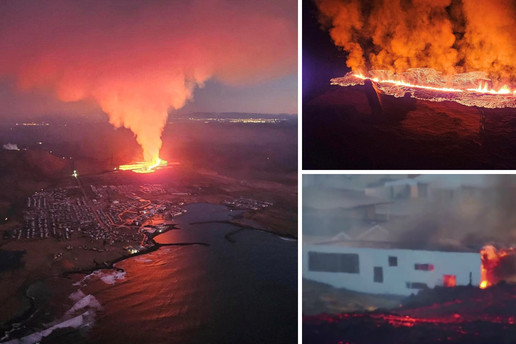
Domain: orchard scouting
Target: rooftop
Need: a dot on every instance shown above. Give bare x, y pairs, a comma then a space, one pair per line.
413, 246
329, 199
453, 181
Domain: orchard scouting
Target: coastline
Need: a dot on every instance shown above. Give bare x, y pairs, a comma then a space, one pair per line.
155, 246
120, 255
27, 314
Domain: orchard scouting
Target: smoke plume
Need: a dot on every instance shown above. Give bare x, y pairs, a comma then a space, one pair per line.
11, 146
450, 36
140, 59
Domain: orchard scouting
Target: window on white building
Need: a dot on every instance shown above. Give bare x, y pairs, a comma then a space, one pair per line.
378, 274
424, 267
333, 262
393, 261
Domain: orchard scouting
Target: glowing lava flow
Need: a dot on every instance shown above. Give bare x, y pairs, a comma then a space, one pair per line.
402, 83
469, 89
504, 90
144, 167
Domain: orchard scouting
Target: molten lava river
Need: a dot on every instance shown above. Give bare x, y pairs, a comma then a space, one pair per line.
144, 167
462, 314
470, 89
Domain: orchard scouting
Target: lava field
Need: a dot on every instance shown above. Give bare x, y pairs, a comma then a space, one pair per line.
466, 315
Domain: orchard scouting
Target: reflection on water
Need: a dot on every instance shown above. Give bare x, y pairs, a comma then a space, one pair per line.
242, 292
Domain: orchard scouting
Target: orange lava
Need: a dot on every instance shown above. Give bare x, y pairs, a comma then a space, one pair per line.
484, 90
490, 261
144, 167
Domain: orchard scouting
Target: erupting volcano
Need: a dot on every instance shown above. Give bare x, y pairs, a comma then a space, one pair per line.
403, 43
139, 61
143, 167
470, 89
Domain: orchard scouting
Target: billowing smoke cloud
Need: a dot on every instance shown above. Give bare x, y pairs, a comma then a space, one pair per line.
479, 215
449, 36
488, 43
11, 146
140, 59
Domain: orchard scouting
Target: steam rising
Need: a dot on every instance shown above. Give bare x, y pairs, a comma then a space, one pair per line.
138, 61
448, 36
11, 146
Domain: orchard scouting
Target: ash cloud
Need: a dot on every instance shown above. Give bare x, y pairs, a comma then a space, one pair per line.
139, 59
450, 36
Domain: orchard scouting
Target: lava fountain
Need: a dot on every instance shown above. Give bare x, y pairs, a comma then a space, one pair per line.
470, 89
144, 167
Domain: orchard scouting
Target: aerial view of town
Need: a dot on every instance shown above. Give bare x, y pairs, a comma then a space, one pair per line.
77, 225
74, 217
107, 215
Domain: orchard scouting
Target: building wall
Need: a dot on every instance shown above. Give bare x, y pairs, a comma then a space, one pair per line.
395, 278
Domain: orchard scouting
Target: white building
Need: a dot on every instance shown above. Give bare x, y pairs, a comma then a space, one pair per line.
382, 269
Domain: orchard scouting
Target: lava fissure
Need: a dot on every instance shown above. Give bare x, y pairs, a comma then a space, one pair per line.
470, 89
144, 167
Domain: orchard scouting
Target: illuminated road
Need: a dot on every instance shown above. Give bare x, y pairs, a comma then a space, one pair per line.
125, 222
128, 220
